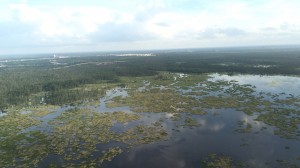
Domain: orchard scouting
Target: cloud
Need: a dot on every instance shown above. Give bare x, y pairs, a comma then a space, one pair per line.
125, 32
230, 32
155, 23
23, 34
165, 24
76, 21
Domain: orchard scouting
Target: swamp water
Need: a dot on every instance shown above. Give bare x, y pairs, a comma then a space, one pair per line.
173, 120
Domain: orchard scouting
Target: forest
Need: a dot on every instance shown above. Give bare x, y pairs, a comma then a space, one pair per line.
52, 80
119, 109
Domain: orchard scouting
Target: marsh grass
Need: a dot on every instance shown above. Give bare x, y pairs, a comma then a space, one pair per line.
156, 101
206, 94
76, 134
11, 127
218, 161
286, 121
244, 127
74, 137
191, 122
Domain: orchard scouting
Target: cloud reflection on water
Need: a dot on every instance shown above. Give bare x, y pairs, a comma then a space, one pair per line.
274, 84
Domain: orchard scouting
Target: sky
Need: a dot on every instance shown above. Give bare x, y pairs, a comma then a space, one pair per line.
53, 26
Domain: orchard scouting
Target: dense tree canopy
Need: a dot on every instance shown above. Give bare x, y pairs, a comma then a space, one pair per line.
19, 80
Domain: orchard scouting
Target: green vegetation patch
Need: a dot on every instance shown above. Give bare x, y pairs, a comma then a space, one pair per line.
218, 161
190, 80
73, 137
18, 146
175, 93
244, 127
157, 100
191, 122
286, 121
15, 123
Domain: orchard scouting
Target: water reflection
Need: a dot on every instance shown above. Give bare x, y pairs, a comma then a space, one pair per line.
148, 156
275, 84
2, 114
110, 94
186, 146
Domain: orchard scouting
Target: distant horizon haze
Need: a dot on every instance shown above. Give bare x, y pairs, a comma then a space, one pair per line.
254, 48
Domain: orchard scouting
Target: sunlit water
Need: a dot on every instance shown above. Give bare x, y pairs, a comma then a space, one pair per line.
217, 134
186, 146
273, 84
2, 114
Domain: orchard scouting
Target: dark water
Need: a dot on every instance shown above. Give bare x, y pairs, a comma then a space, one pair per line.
217, 135
186, 147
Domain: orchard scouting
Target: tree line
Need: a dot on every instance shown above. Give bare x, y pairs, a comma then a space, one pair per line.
19, 80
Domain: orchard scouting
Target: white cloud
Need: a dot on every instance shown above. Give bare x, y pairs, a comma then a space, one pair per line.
157, 23
25, 13
76, 21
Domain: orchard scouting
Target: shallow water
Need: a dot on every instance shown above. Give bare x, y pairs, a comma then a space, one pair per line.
110, 94
216, 135
273, 84
220, 132
2, 114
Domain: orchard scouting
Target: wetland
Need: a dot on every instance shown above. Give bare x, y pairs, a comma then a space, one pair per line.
139, 113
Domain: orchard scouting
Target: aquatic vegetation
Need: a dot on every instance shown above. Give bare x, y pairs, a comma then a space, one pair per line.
115, 102
190, 80
11, 127
73, 138
190, 122
163, 79
221, 102
30, 146
173, 93
286, 122
196, 93
176, 116
133, 84
82, 129
244, 127
198, 111
285, 163
156, 101
81, 137
12, 124
40, 111
292, 101
218, 161
110, 154
31, 149
144, 135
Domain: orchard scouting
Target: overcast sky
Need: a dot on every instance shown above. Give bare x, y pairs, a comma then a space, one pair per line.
52, 26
